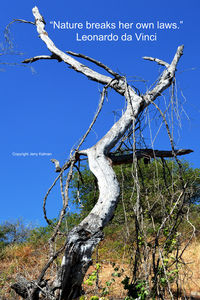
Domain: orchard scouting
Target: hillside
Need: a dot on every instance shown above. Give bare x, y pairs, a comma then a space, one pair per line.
111, 264
151, 245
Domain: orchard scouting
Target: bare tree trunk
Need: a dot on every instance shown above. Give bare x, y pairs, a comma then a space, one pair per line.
86, 236
82, 240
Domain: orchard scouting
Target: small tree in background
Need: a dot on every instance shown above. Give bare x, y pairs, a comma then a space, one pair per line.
14, 232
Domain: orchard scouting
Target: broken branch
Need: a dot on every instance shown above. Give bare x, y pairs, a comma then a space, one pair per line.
146, 153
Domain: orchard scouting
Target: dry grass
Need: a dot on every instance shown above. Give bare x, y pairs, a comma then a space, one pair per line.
191, 272
28, 260
25, 260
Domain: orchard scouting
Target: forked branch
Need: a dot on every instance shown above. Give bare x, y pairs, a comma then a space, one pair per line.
82, 239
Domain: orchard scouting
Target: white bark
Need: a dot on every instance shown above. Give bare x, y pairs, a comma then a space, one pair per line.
83, 238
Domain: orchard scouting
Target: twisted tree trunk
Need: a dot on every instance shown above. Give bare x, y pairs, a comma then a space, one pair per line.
83, 238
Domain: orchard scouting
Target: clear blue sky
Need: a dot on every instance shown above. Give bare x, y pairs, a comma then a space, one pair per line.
49, 110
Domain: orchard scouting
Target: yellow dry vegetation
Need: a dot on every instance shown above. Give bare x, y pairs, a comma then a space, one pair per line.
27, 260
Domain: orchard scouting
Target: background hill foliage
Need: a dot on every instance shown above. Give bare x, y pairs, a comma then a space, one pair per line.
143, 256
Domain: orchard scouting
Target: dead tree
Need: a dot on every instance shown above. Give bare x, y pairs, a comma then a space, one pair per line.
82, 239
